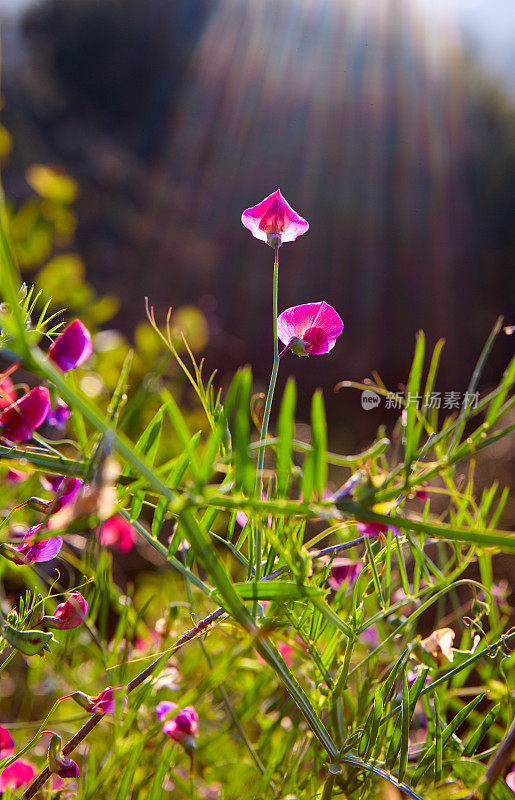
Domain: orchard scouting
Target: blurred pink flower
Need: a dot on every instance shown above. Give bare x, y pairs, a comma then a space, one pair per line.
6, 743
7, 392
18, 421
72, 347
183, 727
309, 329
510, 778
20, 773
164, 709
34, 551
343, 570
69, 488
274, 217
287, 652
69, 614
14, 476
119, 533
59, 415
370, 529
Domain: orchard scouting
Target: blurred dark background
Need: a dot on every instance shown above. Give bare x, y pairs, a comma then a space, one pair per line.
389, 125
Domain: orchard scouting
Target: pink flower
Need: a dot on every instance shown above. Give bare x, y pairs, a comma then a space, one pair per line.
183, 727
343, 570
287, 652
18, 421
164, 709
274, 217
510, 778
33, 551
7, 392
72, 347
309, 329
6, 743
69, 488
118, 532
14, 476
20, 773
103, 703
69, 614
370, 529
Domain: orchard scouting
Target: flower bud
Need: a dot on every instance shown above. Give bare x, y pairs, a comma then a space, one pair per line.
68, 615
58, 763
72, 347
30, 643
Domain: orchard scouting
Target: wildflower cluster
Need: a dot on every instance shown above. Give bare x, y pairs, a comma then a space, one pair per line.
322, 621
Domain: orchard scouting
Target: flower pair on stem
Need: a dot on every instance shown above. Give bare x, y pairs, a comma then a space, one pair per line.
308, 329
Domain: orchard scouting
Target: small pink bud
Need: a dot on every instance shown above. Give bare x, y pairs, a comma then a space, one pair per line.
274, 221
69, 614
19, 420
72, 347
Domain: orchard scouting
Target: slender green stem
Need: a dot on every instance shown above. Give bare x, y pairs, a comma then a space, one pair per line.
329, 786
266, 414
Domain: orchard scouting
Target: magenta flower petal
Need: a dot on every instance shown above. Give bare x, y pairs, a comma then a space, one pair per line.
510, 779
164, 709
103, 703
69, 614
33, 551
72, 347
25, 415
370, 529
71, 489
183, 727
6, 743
274, 216
118, 533
7, 392
343, 570
59, 415
317, 325
18, 774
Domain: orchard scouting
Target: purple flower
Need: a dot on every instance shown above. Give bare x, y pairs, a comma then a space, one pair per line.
343, 570
59, 415
164, 709
183, 727
274, 217
72, 347
14, 476
69, 614
309, 329
412, 676
6, 743
33, 551
18, 421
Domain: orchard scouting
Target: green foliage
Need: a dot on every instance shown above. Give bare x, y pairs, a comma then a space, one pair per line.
289, 673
